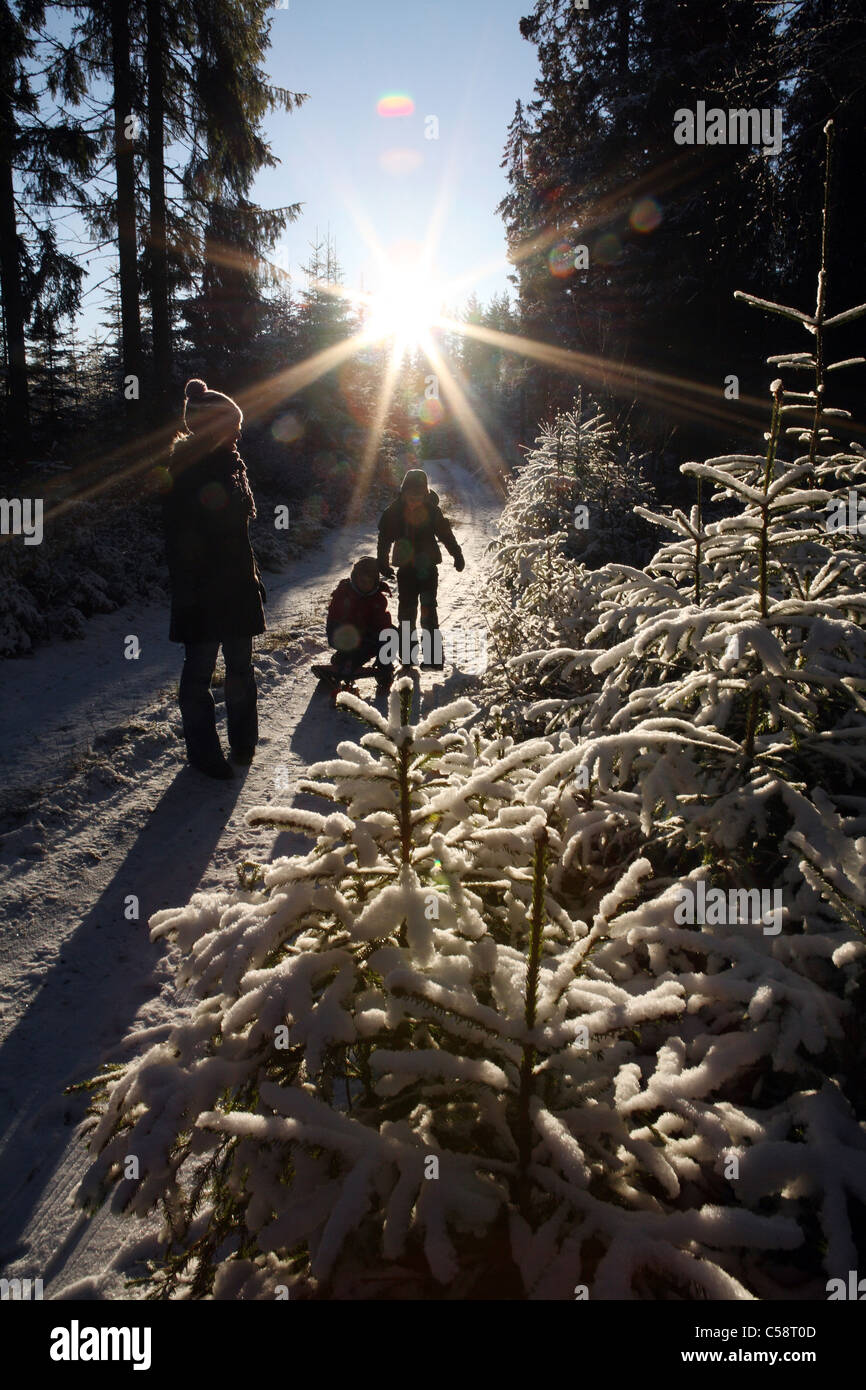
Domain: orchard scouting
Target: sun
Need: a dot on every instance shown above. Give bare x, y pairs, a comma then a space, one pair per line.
405, 309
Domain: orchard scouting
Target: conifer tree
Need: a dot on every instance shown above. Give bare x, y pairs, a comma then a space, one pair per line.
194, 83
464, 1033
157, 275
821, 47
662, 225
48, 162
231, 95
124, 103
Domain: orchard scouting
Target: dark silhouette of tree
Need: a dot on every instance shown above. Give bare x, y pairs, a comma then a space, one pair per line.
39, 164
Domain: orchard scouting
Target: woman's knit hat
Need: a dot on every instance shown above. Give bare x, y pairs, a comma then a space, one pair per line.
203, 408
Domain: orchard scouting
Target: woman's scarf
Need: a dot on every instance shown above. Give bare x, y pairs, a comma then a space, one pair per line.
224, 464
237, 472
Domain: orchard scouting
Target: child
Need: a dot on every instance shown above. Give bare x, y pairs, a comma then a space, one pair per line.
412, 525
357, 614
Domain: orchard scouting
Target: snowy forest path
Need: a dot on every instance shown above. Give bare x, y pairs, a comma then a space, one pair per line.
75, 691
131, 830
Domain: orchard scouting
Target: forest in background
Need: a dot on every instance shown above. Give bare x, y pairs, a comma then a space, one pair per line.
649, 328
147, 123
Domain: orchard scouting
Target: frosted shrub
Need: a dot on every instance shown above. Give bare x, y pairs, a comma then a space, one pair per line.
420, 964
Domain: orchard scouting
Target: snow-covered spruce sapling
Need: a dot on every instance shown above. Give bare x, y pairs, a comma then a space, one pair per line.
813, 403
752, 627
288, 956
727, 721
346, 1038
571, 496
755, 689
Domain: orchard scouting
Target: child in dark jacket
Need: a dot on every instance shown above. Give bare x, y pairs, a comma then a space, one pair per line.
412, 526
357, 614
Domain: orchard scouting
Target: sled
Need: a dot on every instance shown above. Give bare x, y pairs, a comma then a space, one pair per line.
329, 676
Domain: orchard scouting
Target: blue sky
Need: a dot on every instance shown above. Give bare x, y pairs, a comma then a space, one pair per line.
462, 61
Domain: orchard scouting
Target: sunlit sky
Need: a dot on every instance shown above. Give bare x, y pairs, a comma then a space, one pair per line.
462, 61
361, 175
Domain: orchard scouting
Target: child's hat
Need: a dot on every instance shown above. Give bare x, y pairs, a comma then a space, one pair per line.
415, 481
366, 568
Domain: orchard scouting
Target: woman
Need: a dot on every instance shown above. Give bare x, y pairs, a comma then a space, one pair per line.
216, 589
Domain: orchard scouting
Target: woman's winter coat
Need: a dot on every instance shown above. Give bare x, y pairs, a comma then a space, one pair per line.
216, 588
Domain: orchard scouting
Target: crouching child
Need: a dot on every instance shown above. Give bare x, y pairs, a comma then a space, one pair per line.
357, 615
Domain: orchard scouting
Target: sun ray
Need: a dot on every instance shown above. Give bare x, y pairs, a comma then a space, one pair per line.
612, 206
374, 438
130, 461
681, 397
489, 456
689, 399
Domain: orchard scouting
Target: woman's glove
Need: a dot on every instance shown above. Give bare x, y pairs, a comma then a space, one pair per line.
386, 571
459, 562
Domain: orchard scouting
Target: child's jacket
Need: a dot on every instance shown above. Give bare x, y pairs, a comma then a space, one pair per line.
415, 542
367, 613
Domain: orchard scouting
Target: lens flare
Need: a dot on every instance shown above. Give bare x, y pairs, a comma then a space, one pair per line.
213, 496
287, 428
561, 260
396, 104
645, 215
347, 638
431, 412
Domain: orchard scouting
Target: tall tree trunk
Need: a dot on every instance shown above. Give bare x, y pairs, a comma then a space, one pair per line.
124, 160
159, 307
623, 21
13, 297
50, 341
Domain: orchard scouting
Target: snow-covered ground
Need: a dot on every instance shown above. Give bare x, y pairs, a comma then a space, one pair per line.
91, 748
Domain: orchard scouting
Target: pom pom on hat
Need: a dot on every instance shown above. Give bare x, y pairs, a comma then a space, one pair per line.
195, 389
